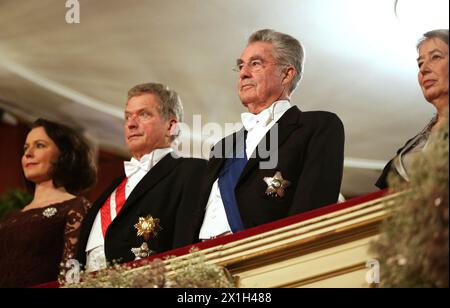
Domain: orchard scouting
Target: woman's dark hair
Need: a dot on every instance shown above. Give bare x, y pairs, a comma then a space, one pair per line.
74, 169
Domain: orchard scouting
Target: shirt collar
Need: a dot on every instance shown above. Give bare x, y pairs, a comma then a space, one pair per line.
146, 162
267, 116
155, 156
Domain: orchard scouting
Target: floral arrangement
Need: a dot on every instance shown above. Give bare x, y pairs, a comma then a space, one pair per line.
413, 248
191, 271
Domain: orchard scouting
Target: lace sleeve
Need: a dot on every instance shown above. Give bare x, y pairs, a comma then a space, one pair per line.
72, 228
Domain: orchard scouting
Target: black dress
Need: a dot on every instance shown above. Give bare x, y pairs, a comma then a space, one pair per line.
35, 242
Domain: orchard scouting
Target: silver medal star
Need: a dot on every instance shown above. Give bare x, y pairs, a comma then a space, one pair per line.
276, 185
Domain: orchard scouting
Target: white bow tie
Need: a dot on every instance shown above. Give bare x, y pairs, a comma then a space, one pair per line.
250, 120
134, 165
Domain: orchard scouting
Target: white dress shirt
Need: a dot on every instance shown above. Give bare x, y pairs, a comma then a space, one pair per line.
215, 221
135, 171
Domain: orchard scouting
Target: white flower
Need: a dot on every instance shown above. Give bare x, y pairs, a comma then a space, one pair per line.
402, 261
438, 202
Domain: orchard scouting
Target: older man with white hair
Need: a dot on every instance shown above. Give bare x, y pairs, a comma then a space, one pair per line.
284, 161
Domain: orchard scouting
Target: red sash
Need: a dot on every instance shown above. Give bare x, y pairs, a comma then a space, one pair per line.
105, 211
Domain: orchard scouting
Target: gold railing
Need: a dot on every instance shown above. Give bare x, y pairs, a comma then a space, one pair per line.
328, 247
328, 250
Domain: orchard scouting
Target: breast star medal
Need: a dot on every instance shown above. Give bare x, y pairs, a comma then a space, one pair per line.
141, 252
276, 185
146, 227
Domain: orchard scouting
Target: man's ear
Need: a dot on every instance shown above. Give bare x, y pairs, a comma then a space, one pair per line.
288, 76
174, 128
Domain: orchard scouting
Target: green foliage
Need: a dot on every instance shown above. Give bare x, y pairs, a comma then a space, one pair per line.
413, 248
13, 199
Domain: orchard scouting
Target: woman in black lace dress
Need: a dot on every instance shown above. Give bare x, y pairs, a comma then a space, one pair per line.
57, 164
